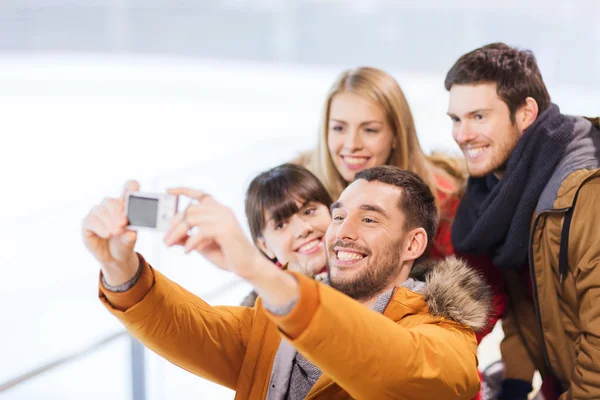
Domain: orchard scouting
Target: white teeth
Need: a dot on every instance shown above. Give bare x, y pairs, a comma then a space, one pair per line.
310, 245
355, 160
474, 152
346, 256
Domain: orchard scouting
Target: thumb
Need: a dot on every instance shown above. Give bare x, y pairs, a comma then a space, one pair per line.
130, 186
128, 238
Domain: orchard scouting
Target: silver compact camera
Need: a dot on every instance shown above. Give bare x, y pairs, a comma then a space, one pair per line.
152, 211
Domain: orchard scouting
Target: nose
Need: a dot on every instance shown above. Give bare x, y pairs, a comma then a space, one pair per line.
463, 133
353, 140
300, 227
347, 230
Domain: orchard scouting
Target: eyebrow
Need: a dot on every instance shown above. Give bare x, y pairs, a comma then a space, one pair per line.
307, 202
335, 205
478, 111
374, 208
362, 123
366, 207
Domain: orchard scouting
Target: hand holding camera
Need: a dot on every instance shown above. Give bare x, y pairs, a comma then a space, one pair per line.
212, 230
206, 226
106, 237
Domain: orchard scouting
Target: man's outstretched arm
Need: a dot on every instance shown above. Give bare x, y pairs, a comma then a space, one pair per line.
371, 356
179, 326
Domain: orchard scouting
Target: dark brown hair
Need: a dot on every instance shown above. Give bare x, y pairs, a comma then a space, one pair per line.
276, 191
416, 202
514, 71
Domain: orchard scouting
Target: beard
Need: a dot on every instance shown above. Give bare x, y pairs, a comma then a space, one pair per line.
499, 160
369, 281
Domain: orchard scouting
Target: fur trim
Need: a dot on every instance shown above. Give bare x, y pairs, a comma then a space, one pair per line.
457, 292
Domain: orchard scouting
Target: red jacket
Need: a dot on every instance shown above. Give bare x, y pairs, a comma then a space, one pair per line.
442, 247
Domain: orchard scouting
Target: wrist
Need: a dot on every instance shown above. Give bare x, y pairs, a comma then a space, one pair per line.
276, 287
256, 268
119, 273
266, 272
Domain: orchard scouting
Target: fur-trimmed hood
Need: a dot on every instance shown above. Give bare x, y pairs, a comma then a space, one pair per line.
457, 292
453, 290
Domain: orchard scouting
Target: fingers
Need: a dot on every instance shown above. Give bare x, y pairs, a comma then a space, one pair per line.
180, 242
128, 238
130, 186
114, 210
211, 222
178, 231
92, 225
202, 216
197, 242
182, 223
106, 219
193, 193
180, 226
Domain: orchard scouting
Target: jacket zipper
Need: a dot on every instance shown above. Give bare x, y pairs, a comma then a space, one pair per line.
535, 289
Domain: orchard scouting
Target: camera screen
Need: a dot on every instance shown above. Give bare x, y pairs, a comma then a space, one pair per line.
142, 211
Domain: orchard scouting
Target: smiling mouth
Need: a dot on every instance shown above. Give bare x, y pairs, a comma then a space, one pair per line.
474, 152
310, 247
344, 257
354, 162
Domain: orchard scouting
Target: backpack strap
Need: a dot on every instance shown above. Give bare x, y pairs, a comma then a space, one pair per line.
563, 255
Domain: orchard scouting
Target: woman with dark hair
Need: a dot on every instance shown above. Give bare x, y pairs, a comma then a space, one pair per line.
287, 209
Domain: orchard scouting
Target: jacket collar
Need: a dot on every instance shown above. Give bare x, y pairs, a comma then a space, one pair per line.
581, 160
453, 291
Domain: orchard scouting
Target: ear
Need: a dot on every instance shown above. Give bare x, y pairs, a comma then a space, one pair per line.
526, 114
262, 245
416, 244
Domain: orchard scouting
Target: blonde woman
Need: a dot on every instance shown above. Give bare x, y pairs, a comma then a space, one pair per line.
366, 123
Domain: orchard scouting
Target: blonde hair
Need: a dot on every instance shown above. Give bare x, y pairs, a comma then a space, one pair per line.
381, 88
